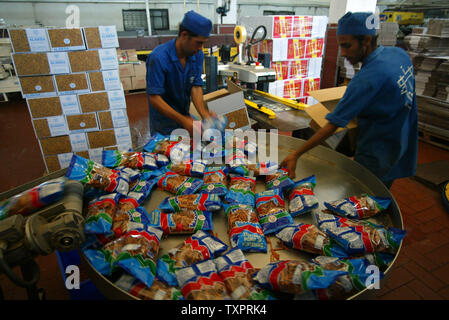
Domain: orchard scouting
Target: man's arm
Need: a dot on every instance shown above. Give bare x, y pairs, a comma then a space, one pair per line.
290, 161
164, 108
196, 95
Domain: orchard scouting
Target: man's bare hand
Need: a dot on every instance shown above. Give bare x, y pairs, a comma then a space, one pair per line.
290, 163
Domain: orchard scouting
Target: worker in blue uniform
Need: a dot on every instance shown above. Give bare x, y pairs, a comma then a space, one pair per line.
381, 96
174, 77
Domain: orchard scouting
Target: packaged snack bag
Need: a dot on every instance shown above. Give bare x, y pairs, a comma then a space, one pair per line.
203, 202
244, 229
100, 214
132, 160
201, 281
133, 174
198, 247
185, 221
259, 169
179, 185
296, 277
236, 272
241, 190
270, 206
158, 290
175, 150
141, 190
94, 174
358, 207
302, 199
189, 168
215, 182
33, 199
279, 180
125, 221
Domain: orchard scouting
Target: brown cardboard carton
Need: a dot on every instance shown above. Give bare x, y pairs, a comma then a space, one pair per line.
126, 70
72, 83
63, 39
86, 121
39, 86
105, 120
99, 139
44, 107
126, 83
19, 40
328, 100
92, 102
86, 60
29, 40
92, 37
56, 145
96, 81
52, 163
140, 69
31, 64
41, 128
138, 82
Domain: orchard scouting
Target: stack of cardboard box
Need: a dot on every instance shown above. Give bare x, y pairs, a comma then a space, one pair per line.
70, 79
132, 71
296, 45
388, 33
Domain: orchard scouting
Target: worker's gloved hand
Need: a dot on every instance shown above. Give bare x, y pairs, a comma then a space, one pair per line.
290, 163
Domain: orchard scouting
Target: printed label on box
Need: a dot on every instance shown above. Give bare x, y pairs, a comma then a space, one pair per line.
117, 99
57, 126
281, 69
302, 26
311, 84
69, 104
108, 59
64, 159
59, 62
296, 48
299, 69
111, 79
108, 36
119, 118
96, 155
314, 67
78, 142
38, 40
123, 137
314, 48
282, 26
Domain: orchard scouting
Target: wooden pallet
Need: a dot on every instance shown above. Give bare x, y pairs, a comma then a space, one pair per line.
434, 139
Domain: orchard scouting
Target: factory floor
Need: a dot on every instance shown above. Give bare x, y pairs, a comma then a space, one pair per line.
421, 271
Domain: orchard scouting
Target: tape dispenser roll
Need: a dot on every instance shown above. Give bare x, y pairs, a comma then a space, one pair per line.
239, 34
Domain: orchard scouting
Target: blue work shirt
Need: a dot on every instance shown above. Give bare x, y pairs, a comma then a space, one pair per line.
168, 78
382, 97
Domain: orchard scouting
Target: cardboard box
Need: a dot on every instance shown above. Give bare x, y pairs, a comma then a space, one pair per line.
96, 81
129, 55
116, 99
31, 64
123, 138
126, 83
229, 102
78, 142
59, 62
140, 69
74, 83
56, 145
37, 87
138, 82
87, 60
91, 102
113, 119
108, 59
29, 40
66, 39
70, 104
44, 107
82, 122
327, 101
104, 138
50, 127
111, 80
60, 161
101, 37
126, 70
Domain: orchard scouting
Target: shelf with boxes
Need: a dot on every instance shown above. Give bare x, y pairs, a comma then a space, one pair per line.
132, 70
70, 80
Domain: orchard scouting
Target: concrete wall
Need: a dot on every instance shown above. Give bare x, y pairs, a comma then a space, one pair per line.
53, 13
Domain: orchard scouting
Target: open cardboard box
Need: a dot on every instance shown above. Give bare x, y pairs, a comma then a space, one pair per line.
229, 102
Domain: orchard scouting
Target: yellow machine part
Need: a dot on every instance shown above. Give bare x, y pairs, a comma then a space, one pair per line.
270, 113
402, 18
287, 102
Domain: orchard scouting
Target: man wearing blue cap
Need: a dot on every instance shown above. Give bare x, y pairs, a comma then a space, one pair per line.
174, 77
382, 97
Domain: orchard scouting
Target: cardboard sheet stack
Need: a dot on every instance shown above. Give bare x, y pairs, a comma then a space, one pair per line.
70, 80
388, 33
296, 45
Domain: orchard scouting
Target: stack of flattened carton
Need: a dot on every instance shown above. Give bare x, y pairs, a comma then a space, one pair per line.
70, 80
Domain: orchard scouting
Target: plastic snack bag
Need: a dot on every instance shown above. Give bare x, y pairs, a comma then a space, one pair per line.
94, 174
133, 160
236, 272
201, 281
203, 202
358, 207
302, 199
198, 247
279, 180
179, 185
158, 290
190, 168
133, 174
241, 190
270, 206
33, 199
100, 214
296, 277
185, 221
125, 221
259, 169
245, 232
215, 182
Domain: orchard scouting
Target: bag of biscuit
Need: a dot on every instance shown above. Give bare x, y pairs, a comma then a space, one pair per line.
100, 214
188, 168
241, 190
198, 247
279, 179
200, 201
358, 207
158, 290
302, 199
215, 181
270, 206
178, 184
182, 222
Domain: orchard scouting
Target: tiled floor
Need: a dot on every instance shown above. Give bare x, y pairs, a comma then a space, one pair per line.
421, 271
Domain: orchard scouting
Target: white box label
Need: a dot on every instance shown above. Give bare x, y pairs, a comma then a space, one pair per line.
111, 79
108, 59
108, 36
38, 40
96, 155
59, 62
65, 159
116, 99
78, 141
58, 126
70, 104
123, 137
119, 118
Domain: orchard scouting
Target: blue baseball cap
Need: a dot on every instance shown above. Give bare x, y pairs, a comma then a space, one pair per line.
357, 23
197, 24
